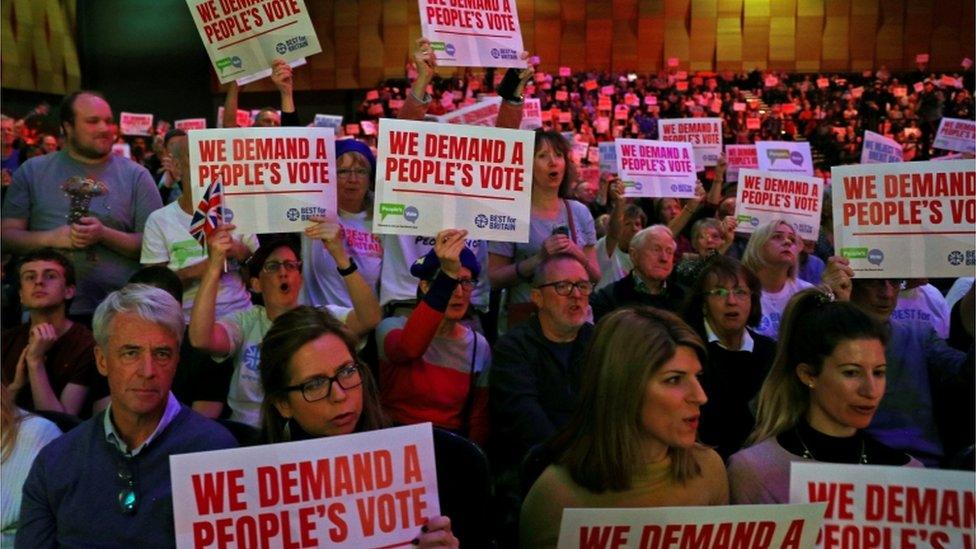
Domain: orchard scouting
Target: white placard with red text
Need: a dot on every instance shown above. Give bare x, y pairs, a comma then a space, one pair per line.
906, 220
482, 113
274, 179
880, 149
132, 123
785, 156
753, 526
122, 149
761, 197
373, 489
462, 36
267, 72
433, 176
956, 135
656, 168
738, 157
874, 506
242, 38
531, 114
704, 134
188, 124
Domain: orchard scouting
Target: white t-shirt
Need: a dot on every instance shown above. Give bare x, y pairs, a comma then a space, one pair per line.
612, 267
166, 239
246, 329
773, 305
401, 251
924, 303
323, 285
958, 290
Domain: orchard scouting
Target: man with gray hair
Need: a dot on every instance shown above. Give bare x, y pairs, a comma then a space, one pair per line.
652, 252
107, 481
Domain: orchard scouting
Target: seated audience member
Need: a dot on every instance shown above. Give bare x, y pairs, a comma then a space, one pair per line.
923, 301
637, 447
314, 387
921, 365
167, 241
723, 307
24, 434
652, 252
824, 387
49, 363
275, 272
613, 250
324, 281
772, 255
200, 382
107, 481
432, 367
709, 236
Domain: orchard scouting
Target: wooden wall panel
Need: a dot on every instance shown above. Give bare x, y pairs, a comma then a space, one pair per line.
572, 51
676, 39
650, 35
947, 48
548, 31
755, 34
809, 34
918, 31
37, 45
836, 35
704, 19
624, 43
599, 23
782, 35
396, 32
888, 49
864, 28
728, 36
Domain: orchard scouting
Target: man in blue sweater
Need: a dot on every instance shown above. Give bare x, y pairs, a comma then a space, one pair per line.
106, 483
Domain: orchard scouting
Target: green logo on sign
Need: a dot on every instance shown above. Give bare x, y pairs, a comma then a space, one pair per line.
854, 253
388, 208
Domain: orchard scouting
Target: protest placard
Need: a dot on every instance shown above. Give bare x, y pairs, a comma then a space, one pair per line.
899, 91
752, 123
631, 99
874, 506
131, 123
333, 121
621, 112
922, 58
482, 113
188, 124
704, 134
242, 38
650, 100
602, 124
738, 157
565, 71
438, 176
604, 103
785, 156
122, 149
593, 156
771, 81
274, 179
531, 114
608, 156
656, 168
738, 107
243, 118
463, 35
672, 62
906, 220
590, 85
823, 83
267, 72
565, 117
562, 95
372, 489
681, 75
681, 85
956, 135
591, 176
579, 150
368, 126
879, 149
761, 197
351, 129
752, 526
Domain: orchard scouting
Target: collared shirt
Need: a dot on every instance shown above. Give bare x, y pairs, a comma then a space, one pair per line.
643, 287
111, 435
747, 342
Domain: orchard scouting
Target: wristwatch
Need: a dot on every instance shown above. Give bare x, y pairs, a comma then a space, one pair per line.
350, 269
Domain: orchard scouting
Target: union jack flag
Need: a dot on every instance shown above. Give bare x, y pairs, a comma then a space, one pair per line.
209, 214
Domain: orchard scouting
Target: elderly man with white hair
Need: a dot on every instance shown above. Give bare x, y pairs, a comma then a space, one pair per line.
106, 483
652, 252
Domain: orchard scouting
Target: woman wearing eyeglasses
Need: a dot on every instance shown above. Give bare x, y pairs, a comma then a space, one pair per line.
821, 393
432, 367
314, 387
631, 441
723, 307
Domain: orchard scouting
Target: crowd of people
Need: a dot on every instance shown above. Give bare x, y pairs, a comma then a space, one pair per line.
611, 361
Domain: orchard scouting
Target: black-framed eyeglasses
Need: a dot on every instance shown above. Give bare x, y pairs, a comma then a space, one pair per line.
128, 495
272, 267
565, 287
466, 284
724, 293
347, 172
348, 377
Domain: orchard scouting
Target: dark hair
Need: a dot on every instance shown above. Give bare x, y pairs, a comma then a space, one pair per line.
256, 262
539, 275
718, 269
175, 132
287, 335
812, 327
561, 146
50, 254
66, 112
601, 446
162, 277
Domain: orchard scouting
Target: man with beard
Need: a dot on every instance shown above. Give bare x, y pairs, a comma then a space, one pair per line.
109, 230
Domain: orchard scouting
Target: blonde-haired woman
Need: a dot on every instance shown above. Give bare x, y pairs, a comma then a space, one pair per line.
632, 441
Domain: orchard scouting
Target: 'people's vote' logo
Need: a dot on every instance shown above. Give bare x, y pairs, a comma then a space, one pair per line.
875, 256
